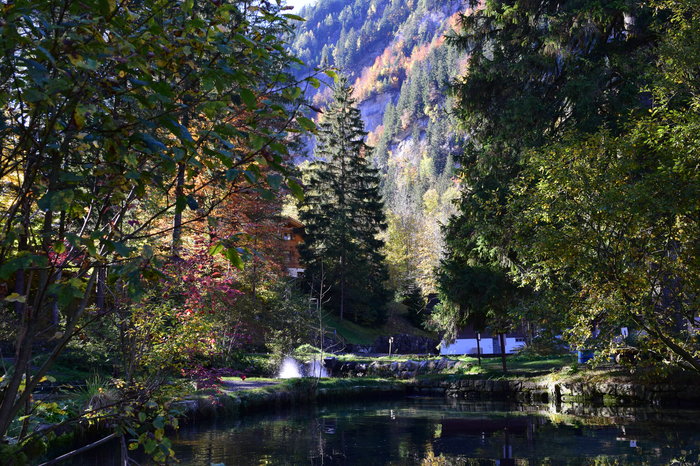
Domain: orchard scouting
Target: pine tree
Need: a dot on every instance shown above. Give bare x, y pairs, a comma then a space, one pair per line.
343, 214
415, 304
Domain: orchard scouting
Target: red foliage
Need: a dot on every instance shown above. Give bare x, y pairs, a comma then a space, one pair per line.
205, 284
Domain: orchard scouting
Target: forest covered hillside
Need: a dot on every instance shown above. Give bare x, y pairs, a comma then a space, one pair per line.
395, 55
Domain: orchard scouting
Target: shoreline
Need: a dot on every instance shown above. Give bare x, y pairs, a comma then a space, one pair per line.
559, 397
520, 391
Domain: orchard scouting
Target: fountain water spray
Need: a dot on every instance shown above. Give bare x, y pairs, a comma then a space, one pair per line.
289, 369
316, 369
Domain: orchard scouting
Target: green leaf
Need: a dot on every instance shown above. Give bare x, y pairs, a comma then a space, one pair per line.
180, 203
294, 17
159, 422
249, 98
266, 194
218, 248
149, 446
120, 248
250, 176
79, 116
296, 189
16, 298
306, 123
177, 129
234, 258
256, 142
274, 180
192, 202
33, 95
147, 252
107, 6
56, 200
331, 74
232, 174
67, 291
20, 262
153, 144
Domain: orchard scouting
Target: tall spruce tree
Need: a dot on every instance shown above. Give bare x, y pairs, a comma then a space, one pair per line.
566, 210
537, 71
343, 214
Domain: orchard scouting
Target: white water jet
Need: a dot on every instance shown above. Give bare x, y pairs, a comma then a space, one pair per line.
316, 369
289, 369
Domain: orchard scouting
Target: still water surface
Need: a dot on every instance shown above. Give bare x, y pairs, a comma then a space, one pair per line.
435, 431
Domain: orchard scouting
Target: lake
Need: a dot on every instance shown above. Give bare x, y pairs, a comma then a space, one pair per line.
436, 431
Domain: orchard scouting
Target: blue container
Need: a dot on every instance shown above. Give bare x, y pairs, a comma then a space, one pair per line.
585, 355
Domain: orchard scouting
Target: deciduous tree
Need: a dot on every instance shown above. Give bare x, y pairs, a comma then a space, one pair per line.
116, 116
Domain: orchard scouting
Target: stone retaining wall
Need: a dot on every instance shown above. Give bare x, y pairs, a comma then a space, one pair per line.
526, 391
564, 392
392, 369
518, 391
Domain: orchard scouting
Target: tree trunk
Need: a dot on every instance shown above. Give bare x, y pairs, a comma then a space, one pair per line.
22, 357
101, 287
177, 220
670, 344
342, 288
502, 339
22, 245
478, 348
12, 398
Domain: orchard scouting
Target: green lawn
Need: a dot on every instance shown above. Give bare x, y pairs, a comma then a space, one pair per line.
522, 365
360, 335
517, 365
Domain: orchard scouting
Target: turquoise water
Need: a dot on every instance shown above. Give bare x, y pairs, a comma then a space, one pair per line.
435, 431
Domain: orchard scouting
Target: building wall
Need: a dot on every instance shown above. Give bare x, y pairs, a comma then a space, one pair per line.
466, 346
513, 344
488, 346
291, 236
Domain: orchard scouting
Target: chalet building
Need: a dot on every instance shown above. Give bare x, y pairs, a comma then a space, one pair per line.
469, 341
291, 236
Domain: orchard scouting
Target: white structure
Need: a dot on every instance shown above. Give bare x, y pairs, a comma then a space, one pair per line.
513, 344
466, 346
466, 343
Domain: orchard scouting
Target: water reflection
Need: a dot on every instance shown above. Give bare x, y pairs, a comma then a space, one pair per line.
436, 431
432, 431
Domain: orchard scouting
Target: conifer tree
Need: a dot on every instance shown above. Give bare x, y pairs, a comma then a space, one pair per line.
415, 304
343, 214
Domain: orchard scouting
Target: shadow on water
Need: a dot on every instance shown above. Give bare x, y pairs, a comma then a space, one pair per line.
439, 431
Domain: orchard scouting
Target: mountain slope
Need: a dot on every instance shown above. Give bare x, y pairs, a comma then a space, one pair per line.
394, 52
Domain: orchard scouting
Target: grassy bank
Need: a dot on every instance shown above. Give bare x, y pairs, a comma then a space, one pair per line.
397, 323
517, 365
